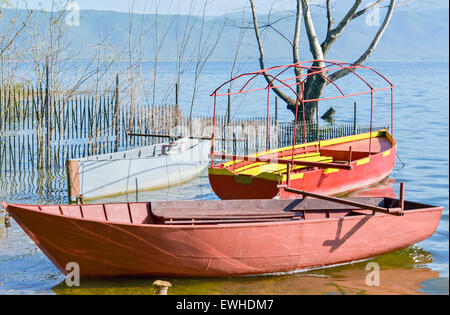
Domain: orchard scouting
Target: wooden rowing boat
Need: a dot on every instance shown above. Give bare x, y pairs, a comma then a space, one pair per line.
145, 168
327, 167
222, 238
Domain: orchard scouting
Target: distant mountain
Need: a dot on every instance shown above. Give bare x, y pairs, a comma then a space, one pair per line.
413, 35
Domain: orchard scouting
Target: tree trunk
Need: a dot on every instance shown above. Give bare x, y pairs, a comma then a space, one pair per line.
314, 87
315, 84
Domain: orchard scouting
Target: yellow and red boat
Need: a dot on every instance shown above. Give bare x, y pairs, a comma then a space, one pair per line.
327, 167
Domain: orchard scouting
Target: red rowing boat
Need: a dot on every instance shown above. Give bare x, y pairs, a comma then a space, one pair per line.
329, 167
222, 238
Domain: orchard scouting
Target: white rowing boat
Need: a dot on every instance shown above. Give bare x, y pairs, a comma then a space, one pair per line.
146, 168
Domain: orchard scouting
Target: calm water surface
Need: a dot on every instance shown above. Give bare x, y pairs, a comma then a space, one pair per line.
421, 129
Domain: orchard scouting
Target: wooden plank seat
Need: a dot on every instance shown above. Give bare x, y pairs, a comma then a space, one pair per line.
252, 165
224, 217
205, 216
312, 150
258, 168
322, 159
226, 220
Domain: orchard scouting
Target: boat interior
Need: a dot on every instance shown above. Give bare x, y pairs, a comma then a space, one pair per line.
326, 151
220, 211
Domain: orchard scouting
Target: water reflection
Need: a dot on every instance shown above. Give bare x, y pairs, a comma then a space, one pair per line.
40, 186
384, 188
402, 272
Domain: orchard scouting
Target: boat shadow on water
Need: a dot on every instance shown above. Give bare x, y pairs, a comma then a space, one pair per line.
401, 272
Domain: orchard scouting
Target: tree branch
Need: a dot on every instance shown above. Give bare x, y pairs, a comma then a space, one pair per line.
330, 18
269, 24
334, 34
295, 49
281, 34
314, 45
282, 95
400, 3
17, 34
369, 7
341, 73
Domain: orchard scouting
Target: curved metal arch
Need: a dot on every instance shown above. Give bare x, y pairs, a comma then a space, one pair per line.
312, 70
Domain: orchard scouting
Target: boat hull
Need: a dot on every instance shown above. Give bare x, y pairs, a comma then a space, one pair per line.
107, 249
327, 181
128, 172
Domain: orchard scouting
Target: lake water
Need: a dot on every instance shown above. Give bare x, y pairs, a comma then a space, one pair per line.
421, 128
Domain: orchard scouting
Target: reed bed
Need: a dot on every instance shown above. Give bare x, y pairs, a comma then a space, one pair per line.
41, 132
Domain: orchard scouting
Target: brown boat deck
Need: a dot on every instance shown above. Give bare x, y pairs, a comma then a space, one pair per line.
197, 213
251, 211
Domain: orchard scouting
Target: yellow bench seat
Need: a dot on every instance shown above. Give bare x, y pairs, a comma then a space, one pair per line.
253, 165
254, 170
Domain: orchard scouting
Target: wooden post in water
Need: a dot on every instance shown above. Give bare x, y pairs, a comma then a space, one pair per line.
7, 221
2, 101
161, 287
117, 113
48, 114
317, 123
234, 144
176, 119
354, 118
177, 91
229, 108
276, 119
276, 110
402, 196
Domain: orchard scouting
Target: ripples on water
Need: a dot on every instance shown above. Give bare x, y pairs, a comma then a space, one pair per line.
422, 131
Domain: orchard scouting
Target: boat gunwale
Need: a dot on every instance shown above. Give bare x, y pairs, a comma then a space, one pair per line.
232, 164
146, 189
91, 159
429, 208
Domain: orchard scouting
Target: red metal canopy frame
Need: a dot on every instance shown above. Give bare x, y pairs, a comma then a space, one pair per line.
312, 67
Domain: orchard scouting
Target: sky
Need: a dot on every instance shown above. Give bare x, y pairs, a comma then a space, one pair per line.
214, 7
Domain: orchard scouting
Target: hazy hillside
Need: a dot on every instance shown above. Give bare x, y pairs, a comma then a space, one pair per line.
412, 35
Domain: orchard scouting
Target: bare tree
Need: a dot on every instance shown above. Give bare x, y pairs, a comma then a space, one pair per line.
315, 84
10, 32
205, 48
59, 75
183, 41
235, 65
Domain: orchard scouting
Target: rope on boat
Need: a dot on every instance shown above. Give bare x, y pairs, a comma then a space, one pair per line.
403, 164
